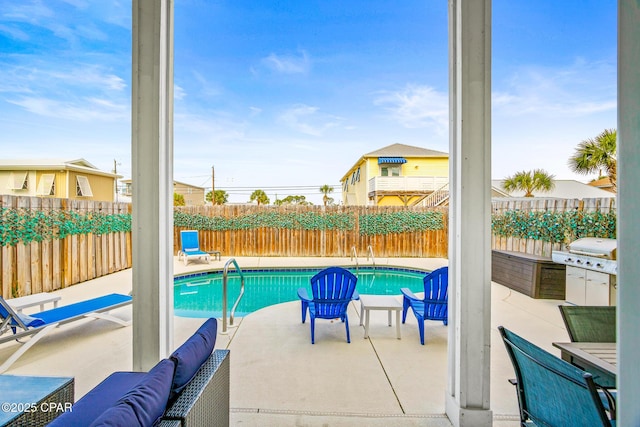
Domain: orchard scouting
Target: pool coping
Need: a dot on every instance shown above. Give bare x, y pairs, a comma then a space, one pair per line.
299, 269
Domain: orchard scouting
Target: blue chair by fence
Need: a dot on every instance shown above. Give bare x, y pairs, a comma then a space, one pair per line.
190, 247
434, 304
332, 288
552, 392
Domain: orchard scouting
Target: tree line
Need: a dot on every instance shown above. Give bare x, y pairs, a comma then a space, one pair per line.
220, 197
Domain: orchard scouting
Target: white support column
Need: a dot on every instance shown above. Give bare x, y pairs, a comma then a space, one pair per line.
467, 400
152, 158
628, 209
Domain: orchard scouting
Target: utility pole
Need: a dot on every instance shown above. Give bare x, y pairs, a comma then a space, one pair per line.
115, 183
213, 186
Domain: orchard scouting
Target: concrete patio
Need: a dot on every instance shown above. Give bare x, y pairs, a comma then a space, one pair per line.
279, 378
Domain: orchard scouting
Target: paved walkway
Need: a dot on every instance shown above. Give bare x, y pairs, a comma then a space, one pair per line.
278, 378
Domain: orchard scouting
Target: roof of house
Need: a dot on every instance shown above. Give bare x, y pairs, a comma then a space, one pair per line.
564, 189
604, 183
129, 181
397, 150
77, 165
402, 150
187, 185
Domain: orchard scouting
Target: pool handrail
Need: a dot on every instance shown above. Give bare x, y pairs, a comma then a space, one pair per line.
370, 253
354, 255
225, 278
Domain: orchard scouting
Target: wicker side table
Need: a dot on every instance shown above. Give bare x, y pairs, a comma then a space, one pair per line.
34, 401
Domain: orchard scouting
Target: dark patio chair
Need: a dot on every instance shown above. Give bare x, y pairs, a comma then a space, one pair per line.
591, 324
333, 289
434, 304
552, 392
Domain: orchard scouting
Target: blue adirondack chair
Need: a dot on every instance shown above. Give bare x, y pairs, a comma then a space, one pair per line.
552, 392
434, 304
332, 288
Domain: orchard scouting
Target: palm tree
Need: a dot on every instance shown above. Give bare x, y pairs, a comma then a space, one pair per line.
595, 154
529, 181
325, 190
259, 196
178, 199
219, 197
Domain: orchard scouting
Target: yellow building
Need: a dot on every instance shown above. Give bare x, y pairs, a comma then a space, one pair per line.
397, 175
74, 179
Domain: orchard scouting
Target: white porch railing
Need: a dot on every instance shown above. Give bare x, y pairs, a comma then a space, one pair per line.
407, 183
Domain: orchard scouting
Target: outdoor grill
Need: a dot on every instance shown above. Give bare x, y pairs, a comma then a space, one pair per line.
591, 271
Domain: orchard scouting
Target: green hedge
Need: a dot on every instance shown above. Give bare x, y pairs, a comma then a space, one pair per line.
297, 221
554, 227
400, 222
26, 225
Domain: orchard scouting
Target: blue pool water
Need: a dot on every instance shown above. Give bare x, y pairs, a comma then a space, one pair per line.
200, 295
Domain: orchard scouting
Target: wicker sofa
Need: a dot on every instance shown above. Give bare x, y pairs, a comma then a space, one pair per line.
190, 388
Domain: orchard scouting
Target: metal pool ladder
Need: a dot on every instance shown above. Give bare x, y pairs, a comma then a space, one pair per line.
370, 255
225, 278
354, 255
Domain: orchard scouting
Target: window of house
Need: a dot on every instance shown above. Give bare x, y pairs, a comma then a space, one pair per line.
19, 181
47, 185
389, 170
83, 189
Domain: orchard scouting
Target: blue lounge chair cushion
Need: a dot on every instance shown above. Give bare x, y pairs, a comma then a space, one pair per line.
144, 404
80, 308
192, 354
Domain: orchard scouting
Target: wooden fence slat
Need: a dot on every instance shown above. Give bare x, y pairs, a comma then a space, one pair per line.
35, 251
23, 255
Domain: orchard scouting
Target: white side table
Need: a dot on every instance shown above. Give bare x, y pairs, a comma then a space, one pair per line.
379, 302
36, 299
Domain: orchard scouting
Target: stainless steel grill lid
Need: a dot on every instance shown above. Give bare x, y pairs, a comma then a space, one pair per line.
594, 246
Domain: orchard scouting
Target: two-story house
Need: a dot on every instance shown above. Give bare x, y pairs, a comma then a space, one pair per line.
396, 175
73, 179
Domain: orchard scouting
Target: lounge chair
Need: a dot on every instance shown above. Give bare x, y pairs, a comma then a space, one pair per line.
14, 326
552, 392
190, 247
333, 289
434, 304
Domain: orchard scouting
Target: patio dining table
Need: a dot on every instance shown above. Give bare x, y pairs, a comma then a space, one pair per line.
593, 357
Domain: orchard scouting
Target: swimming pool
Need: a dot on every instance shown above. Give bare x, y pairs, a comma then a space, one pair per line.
200, 295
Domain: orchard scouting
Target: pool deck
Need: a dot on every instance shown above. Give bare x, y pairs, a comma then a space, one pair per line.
278, 378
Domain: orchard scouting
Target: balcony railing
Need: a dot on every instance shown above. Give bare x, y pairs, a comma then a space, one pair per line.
421, 184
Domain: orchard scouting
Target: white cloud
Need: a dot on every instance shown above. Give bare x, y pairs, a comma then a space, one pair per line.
178, 92
84, 110
307, 119
417, 106
288, 64
575, 90
14, 33
207, 88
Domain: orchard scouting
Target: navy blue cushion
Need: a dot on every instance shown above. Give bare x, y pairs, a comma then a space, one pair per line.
192, 354
99, 399
145, 403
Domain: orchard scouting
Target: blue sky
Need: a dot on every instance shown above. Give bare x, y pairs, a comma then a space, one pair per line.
287, 95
